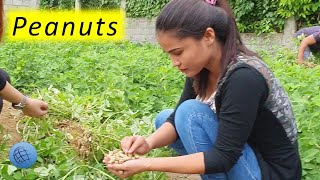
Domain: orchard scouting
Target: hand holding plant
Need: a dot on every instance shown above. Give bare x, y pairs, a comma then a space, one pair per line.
35, 108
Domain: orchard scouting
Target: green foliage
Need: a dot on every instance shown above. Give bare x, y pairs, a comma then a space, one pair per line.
85, 4
252, 16
100, 4
114, 90
307, 12
257, 16
87, 66
57, 4
269, 15
144, 8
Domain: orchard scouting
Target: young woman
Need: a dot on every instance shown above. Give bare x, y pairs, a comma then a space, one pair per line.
233, 120
30, 107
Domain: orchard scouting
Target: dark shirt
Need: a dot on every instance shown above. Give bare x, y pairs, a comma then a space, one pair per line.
315, 32
251, 109
4, 77
3, 82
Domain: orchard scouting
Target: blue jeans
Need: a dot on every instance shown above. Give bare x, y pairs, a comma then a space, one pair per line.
197, 127
306, 54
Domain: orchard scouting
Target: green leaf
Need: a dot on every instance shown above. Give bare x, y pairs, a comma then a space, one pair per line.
310, 154
11, 169
18, 175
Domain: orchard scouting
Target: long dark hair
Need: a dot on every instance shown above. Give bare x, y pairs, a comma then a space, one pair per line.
191, 18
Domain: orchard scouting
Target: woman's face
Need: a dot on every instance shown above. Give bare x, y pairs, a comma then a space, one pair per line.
189, 55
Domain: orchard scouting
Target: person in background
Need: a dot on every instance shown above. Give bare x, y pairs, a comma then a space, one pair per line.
233, 121
310, 42
30, 107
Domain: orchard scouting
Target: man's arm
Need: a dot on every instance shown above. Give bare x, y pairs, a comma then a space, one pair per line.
32, 107
11, 94
310, 40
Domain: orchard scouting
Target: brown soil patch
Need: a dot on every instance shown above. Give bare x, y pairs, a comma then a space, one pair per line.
175, 176
77, 136
8, 119
309, 64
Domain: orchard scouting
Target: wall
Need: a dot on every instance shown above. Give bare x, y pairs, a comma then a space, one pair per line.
143, 30
20, 4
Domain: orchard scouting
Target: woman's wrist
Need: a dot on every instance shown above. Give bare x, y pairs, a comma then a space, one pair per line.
150, 143
148, 164
21, 103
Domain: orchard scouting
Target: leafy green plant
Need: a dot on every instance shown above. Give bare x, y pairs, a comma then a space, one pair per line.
143, 8
257, 16
112, 90
305, 11
92, 4
57, 4
85, 4
105, 88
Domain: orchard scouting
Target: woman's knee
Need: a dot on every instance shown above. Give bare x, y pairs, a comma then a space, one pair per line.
185, 110
186, 105
162, 117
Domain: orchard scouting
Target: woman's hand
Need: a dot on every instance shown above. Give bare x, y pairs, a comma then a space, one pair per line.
35, 108
135, 145
128, 168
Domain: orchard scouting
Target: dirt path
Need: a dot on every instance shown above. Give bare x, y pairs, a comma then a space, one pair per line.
8, 119
174, 176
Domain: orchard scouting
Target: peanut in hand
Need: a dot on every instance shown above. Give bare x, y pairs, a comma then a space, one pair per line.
118, 157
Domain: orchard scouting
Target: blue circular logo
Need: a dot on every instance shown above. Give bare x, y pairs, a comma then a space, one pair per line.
23, 155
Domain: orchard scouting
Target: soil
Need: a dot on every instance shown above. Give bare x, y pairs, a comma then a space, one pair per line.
309, 64
78, 137
8, 119
174, 176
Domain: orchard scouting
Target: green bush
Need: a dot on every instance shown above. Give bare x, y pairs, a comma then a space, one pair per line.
307, 12
144, 8
116, 89
101, 4
111, 89
257, 16
57, 4
85, 4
